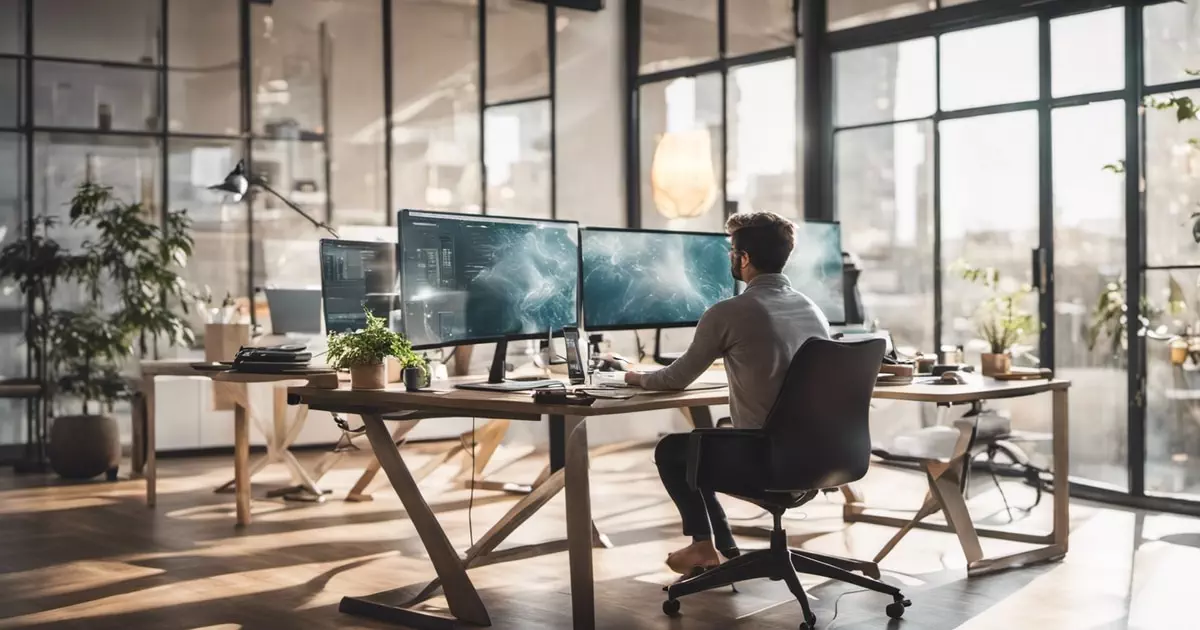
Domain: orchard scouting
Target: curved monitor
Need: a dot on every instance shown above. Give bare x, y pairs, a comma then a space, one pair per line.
473, 279
651, 278
815, 268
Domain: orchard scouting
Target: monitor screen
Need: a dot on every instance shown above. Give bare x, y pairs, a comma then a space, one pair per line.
652, 279
294, 311
815, 268
354, 275
468, 279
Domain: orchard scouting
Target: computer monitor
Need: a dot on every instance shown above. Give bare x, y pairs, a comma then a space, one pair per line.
651, 278
355, 274
475, 279
294, 311
815, 268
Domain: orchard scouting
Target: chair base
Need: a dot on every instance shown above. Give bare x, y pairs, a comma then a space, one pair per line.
782, 563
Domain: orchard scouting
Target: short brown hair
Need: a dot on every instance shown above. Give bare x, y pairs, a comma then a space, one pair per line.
765, 237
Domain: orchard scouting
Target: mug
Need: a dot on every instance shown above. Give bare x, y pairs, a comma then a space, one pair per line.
414, 379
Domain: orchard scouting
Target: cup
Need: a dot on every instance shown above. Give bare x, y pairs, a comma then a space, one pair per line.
925, 364
414, 379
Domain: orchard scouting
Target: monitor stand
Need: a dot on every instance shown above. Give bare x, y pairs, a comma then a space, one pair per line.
496, 381
660, 357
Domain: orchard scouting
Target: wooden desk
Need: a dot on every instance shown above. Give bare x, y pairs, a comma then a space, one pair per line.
463, 600
232, 387
945, 476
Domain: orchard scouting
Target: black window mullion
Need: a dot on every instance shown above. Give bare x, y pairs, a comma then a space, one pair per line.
937, 194
1045, 264
244, 24
1134, 251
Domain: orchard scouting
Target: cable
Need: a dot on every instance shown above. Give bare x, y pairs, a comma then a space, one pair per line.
471, 497
839, 601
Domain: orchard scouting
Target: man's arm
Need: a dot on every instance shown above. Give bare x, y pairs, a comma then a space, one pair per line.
707, 345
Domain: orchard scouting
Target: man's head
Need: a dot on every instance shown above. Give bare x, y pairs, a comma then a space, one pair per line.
761, 242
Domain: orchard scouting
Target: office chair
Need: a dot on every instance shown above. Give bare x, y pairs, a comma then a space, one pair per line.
816, 437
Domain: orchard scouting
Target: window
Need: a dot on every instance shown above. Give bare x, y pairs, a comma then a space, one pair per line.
677, 33
1172, 163
845, 14
1087, 53
990, 65
989, 213
761, 158
12, 27
1172, 45
12, 302
1172, 429
285, 247
113, 30
95, 98
681, 154
359, 176
204, 79
754, 25
518, 59
219, 259
10, 93
884, 83
884, 195
288, 69
517, 157
435, 116
1089, 254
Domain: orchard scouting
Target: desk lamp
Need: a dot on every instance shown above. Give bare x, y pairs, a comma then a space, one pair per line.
237, 183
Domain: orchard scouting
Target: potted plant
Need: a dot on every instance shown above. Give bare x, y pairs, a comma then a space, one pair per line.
128, 293
1001, 319
363, 353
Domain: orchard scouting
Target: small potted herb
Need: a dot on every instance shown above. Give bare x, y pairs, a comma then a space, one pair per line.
364, 351
1001, 319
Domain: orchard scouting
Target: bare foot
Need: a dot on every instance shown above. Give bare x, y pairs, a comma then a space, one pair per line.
700, 554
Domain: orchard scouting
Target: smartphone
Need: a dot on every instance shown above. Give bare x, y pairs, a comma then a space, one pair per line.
574, 357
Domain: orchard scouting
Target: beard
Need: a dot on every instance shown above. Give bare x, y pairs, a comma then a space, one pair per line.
735, 271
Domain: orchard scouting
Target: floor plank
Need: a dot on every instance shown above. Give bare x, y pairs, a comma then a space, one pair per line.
94, 556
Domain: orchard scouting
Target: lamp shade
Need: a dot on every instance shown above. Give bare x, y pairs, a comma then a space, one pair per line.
681, 174
235, 182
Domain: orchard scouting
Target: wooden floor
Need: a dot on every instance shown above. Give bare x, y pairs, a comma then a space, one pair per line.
93, 556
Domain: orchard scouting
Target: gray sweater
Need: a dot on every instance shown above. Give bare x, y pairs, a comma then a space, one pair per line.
757, 333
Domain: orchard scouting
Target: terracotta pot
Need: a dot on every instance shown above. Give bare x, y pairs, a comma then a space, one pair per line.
993, 364
370, 376
83, 447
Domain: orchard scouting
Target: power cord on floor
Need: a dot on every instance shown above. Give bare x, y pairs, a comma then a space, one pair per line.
837, 601
471, 496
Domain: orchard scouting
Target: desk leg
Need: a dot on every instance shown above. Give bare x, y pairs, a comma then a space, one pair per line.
461, 596
362, 488
579, 524
151, 444
1062, 464
137, 422
700, 417
241, 463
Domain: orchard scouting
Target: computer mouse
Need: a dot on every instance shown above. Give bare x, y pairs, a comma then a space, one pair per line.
612, 363
952, 378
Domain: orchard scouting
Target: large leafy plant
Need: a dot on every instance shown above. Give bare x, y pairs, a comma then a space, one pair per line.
126, 274
370, 346
1001, 319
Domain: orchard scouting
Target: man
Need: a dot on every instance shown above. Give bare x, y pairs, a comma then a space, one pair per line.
757, 333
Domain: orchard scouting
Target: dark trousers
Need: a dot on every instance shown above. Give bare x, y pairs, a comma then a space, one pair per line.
702, 515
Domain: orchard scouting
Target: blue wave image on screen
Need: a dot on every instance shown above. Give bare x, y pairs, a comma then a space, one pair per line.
531, 285
633, 278
815, 268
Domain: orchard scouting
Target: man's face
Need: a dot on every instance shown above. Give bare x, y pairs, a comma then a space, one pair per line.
736, 259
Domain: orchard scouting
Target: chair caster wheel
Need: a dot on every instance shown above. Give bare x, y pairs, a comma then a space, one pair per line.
671, 607
809, 623
895, 610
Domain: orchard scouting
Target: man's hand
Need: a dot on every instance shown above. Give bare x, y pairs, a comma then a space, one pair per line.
633, 378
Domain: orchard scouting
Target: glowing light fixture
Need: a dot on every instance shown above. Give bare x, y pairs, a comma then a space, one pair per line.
681, 174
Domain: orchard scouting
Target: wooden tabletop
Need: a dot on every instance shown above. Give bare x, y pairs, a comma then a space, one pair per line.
976, 388
521, 403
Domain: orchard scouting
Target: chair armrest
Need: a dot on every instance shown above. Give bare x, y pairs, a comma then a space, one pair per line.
698, 437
